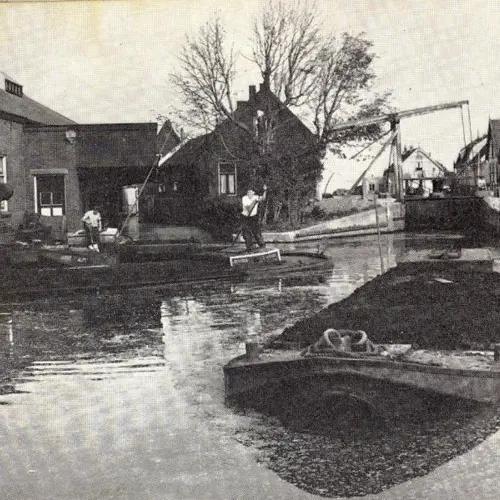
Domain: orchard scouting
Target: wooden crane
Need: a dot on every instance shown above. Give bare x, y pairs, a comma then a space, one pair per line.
394, 133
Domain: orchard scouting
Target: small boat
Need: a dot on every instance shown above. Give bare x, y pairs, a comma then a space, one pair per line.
60, 270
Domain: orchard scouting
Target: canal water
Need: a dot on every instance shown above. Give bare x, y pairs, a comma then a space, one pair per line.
121, 396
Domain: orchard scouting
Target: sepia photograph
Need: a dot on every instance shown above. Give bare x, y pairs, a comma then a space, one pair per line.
249, 250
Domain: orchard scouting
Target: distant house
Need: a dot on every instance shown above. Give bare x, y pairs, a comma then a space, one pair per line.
470, 166
222, 164
491, 169
59, 168
422, 174
478, 161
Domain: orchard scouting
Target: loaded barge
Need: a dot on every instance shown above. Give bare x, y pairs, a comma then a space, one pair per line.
28, 271
387, 374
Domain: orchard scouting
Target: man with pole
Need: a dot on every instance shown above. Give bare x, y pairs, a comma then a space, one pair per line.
250, 218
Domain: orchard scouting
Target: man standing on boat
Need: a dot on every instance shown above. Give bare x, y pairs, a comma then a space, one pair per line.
250, 218
93, 225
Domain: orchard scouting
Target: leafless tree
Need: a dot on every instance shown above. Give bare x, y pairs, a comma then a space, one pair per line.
206, 76
327, 78
286, 40
322, 78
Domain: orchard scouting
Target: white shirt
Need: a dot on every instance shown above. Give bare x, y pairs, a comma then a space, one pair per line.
247, 202
92, 219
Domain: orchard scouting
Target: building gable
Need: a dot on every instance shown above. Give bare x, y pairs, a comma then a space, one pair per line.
167, 138
420, 164
287, 128
493, 139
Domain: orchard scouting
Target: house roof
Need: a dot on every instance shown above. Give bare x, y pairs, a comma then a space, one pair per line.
263, 99
189, 153
469, 152
439, 165
494, 136
167, 138
26, 110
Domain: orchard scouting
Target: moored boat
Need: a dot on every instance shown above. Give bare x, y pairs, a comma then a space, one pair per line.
52, 270
386, 376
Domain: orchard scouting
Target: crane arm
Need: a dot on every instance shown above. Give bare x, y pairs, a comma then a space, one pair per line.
388, 117
431, 109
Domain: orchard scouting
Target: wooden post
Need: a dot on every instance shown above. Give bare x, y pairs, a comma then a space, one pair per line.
398, 164
396, 149
378, 234
252, 350
496, 353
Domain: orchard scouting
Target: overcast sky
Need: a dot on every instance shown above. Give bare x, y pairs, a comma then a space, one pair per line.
109, 61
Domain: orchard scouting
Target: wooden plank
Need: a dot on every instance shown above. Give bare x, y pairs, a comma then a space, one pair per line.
246, 257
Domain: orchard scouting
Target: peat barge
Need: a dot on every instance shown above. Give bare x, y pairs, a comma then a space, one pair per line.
415, 348
39, 271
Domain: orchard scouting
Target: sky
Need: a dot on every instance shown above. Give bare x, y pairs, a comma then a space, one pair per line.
109, 61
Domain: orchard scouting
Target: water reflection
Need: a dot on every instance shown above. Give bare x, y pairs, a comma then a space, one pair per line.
6, 337
126, 389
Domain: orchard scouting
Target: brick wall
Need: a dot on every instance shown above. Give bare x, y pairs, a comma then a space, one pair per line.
11, 146
48, 151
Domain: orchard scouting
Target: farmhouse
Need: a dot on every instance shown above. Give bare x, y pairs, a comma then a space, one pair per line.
262, 137
422, 175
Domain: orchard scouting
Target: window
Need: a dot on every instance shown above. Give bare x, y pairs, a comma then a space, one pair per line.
50, 198
371, 187
3, 178
227, 178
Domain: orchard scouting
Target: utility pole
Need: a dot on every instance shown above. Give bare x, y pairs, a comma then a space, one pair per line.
398, 170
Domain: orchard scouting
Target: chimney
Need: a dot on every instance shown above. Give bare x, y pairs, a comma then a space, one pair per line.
265, 85
251, 93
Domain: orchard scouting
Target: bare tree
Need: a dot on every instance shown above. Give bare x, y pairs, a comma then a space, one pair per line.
205, 79
329, 79
286, 40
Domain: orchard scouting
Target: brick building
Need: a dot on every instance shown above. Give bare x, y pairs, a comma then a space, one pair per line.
59, 168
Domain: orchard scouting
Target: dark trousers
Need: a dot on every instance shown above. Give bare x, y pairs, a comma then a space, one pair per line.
251, 231
93, 236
